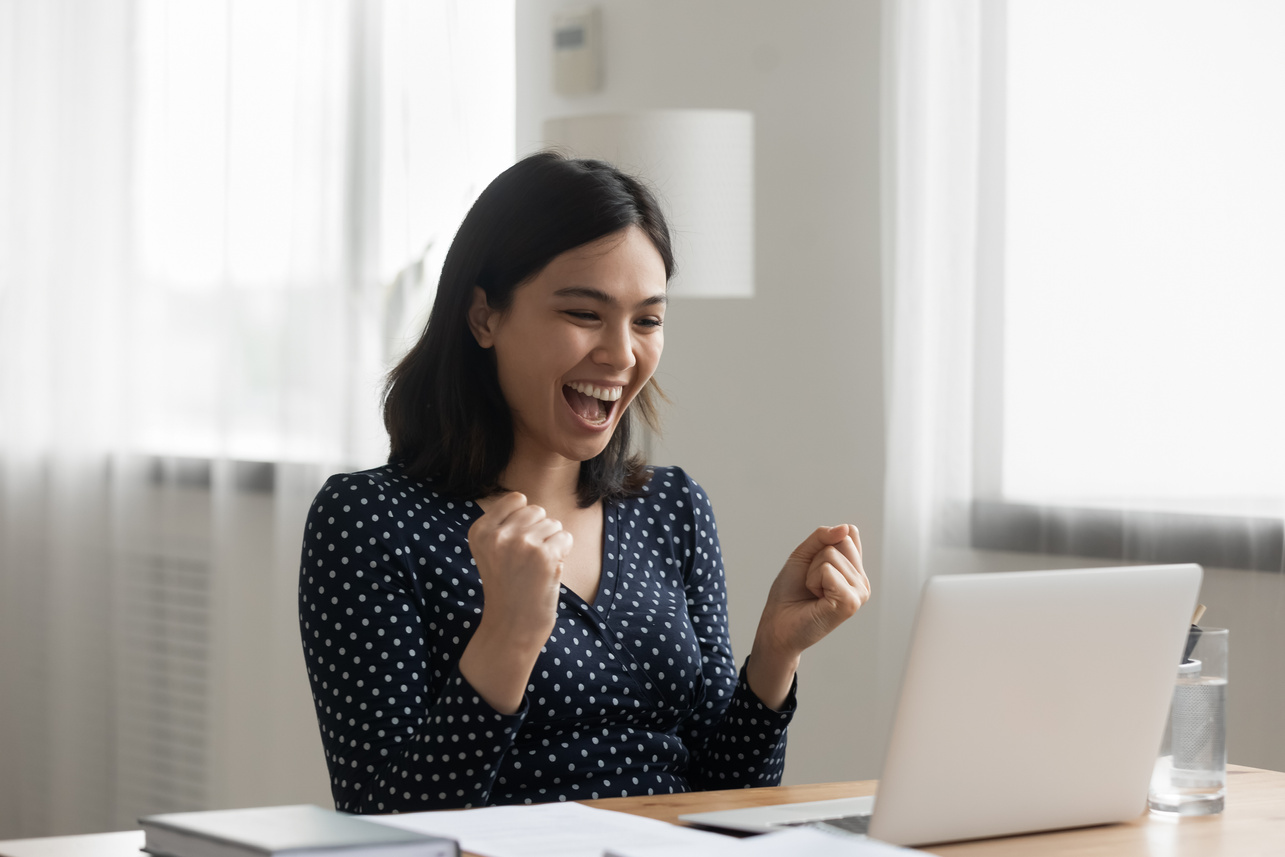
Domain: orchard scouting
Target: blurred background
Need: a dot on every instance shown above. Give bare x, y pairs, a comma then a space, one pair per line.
1015, 304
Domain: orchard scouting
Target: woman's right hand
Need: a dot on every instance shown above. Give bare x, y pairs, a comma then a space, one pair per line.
519, 552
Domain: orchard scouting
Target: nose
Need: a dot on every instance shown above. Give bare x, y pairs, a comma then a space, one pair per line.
615, 348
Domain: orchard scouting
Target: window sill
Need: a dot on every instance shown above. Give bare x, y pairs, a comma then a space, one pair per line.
197, 473
1216, 541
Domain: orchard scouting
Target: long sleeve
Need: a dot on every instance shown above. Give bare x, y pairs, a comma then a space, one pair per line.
734, 739
398, 734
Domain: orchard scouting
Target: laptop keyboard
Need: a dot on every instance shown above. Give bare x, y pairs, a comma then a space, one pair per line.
847, 823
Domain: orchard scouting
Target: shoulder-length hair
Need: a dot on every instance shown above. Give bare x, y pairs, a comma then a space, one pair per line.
445, 413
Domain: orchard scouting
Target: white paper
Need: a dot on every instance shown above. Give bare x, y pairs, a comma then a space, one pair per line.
554, 830
783, 843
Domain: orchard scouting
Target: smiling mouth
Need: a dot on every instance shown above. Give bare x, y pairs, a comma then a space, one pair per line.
592, 404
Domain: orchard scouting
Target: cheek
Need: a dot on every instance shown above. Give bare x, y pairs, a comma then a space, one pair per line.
518, 380
652, 347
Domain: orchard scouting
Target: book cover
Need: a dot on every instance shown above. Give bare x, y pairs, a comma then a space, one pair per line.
289, 831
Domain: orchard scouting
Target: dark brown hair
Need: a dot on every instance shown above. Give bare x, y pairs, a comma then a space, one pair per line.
446, 417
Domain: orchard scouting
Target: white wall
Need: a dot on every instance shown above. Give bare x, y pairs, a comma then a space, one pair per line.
1252, 605
777, 400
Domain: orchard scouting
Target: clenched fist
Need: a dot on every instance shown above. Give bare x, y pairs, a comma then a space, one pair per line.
820, 586
519, 552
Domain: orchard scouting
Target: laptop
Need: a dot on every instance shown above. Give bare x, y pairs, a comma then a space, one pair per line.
1030, 701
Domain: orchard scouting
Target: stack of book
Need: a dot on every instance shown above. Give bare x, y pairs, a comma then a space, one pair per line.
284, 831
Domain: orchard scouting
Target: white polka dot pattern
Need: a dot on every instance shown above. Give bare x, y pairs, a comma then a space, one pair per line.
636, 693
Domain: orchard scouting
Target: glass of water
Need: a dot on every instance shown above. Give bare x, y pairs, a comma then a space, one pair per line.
1190, 777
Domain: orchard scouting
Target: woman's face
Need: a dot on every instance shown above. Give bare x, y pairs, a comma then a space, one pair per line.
578, 342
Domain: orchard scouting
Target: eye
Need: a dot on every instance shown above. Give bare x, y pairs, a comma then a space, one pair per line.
582, 315
650, 321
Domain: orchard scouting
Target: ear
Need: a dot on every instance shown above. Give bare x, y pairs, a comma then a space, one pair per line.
482, 319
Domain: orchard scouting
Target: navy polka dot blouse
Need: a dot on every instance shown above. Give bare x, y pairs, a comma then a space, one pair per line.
634, 694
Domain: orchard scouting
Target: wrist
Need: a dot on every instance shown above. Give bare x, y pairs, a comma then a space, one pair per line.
770, 673
777, 664
773, 653
510, 637
498, 665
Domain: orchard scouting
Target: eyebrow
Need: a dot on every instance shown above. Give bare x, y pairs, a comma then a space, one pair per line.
603, 297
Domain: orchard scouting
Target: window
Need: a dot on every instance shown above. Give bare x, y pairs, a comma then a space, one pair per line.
1143, 204
291, 158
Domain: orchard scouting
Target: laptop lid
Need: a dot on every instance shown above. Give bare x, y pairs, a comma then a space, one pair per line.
1033, 701
1030, 701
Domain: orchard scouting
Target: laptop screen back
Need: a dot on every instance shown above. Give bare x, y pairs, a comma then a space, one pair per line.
1033, 701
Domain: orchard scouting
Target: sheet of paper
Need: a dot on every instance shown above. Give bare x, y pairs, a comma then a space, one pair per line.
553, 830
798, 840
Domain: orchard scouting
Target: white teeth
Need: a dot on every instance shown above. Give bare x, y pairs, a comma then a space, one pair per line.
606, 394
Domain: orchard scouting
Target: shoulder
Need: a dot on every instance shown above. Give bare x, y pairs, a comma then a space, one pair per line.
678, 503
673, 489
363, 487
380, 488
385, 506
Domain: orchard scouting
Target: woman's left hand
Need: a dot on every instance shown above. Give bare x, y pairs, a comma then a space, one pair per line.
820, 586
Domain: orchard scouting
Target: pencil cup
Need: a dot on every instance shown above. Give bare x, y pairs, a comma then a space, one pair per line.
1190, 777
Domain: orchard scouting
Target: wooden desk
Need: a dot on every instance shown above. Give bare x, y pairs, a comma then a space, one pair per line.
1252, 825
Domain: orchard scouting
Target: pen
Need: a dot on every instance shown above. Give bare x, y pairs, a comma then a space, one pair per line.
1194, 635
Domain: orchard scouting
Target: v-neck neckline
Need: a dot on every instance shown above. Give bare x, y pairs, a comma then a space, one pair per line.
605, 594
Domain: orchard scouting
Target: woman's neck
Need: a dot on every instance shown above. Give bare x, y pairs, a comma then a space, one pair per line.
551, 482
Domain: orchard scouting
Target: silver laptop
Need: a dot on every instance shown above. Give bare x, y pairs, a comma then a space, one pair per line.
1030, 701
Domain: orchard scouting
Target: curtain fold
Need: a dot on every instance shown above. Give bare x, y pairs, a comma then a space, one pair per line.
932, 127
64, 188
200, 220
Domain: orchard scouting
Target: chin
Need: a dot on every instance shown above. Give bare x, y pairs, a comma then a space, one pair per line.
583, 452
582, 455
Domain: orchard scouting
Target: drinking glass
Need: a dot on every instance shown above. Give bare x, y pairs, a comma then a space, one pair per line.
1190, 776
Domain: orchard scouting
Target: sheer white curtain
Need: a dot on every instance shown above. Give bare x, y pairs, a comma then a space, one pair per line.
204, 211
64, 181
932, 125
1000, 357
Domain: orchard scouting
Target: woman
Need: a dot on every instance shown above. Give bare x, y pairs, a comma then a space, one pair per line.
598, 662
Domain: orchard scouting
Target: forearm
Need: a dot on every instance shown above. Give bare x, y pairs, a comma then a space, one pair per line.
498, 665
385, 754
741, 745
450, 760
770, 672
